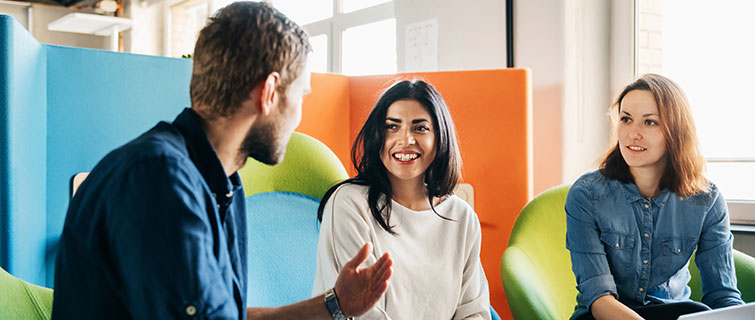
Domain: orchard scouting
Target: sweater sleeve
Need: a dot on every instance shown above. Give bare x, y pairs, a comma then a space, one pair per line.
474, 302
343, 232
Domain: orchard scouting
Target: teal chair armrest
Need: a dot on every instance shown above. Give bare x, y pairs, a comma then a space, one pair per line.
527, 295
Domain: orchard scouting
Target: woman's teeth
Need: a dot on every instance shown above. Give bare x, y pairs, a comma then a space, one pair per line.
405, 157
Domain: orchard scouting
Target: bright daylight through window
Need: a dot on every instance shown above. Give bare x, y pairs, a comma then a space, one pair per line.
706, 47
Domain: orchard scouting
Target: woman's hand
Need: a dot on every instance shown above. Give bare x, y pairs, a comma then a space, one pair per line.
607, 307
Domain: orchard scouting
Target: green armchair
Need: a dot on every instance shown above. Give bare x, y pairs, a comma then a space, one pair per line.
22, 300
536, 267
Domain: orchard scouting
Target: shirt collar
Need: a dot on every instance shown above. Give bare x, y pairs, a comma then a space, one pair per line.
204, 157
633, 194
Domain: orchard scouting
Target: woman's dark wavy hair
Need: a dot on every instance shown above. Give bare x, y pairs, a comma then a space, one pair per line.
441, 177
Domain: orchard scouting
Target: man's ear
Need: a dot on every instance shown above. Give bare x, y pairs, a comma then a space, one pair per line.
269, 92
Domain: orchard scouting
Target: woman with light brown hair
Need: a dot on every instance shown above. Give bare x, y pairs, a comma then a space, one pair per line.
633, 225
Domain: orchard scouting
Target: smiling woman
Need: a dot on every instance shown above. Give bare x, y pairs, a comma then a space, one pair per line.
633, 225
408, 164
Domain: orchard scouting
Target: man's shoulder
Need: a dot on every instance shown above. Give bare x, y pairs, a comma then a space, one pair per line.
162, 142
161, 151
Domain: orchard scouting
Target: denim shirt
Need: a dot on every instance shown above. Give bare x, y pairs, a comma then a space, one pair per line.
156, 231
638, 249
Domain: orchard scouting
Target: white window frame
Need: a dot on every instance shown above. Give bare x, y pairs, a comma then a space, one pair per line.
624, 68
334, 26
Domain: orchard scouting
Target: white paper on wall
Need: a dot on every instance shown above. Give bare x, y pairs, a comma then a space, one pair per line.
421, 46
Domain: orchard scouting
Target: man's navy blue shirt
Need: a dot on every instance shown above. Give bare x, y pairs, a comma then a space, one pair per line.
156, 231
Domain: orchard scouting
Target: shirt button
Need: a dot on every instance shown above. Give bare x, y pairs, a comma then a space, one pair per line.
229, 194
641, 289
678, 250
646, 235
645, 261
647, 206
191, 310
617, 245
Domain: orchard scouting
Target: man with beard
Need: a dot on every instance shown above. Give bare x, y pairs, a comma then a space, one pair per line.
158, 229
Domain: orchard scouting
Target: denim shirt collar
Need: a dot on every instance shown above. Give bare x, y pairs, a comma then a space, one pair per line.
633, 194
203, 155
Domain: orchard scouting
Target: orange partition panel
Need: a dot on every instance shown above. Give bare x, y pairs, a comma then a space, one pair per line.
325, 114
492, 112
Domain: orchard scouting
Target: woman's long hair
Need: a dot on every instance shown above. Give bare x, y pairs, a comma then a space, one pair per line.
441, 176
684, 162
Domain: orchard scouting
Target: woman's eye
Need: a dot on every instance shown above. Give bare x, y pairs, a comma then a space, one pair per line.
422, 128
625, 119
651, 122
390, 126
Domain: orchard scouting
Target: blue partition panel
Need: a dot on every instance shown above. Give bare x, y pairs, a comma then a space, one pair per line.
97, 101
283, 232
22, 152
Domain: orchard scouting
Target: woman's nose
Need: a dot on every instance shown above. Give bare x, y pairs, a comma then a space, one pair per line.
635, 133
407, 138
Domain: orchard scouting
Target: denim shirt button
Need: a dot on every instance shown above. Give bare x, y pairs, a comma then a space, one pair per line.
642, 289
647, 206
646, 235
191, 310
645, 261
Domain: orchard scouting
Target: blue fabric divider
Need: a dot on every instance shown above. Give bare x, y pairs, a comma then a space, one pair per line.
97, 101
23, 130
283, 235
61, 110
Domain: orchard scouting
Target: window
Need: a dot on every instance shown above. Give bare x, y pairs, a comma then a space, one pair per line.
318, 59
187, 19
354, 37
354, 5
360, 35
370, 48
705, 46
305, 11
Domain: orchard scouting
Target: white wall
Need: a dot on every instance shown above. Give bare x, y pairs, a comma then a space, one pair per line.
17, 10
146, 34
587, 87
567, 45
471, 34
539, 45
41, 15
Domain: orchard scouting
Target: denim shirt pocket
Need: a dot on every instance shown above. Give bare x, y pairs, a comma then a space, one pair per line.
619, 251
676, 251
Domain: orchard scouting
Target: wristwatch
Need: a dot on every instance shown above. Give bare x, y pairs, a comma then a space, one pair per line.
331, 301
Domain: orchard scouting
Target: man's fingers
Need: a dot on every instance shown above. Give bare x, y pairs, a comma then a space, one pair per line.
379, 290
384, 262
359, 258
385, 274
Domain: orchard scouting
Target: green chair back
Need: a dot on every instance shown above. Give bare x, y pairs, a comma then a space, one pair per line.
536, 266
22, 300
309, 168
